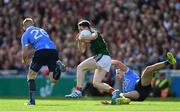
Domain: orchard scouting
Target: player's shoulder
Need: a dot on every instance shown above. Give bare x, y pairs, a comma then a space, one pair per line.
28, 31
38, 28
134, 73
33, 28
130, 71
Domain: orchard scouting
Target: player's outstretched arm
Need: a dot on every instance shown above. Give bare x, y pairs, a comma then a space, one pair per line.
120, 65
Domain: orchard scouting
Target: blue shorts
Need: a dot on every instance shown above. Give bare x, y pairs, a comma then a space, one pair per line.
142, 90
44, 57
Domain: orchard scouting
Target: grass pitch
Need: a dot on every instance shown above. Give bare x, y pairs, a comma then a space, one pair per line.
88, 105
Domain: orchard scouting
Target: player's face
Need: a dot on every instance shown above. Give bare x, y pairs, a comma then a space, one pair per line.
83, 28
24, 28
25, 25
119, 74
80, 28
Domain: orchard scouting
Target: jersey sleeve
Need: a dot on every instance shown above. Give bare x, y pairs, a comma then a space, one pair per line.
24, 39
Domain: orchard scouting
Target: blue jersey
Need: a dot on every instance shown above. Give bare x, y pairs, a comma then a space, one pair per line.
38, 38
130, 80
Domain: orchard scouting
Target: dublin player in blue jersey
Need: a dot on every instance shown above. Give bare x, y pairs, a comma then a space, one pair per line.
45, 54
133, 87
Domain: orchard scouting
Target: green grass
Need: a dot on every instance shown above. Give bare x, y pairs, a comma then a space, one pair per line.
87, 105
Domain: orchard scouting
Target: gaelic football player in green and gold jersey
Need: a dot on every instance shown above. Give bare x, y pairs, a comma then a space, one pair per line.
100, 61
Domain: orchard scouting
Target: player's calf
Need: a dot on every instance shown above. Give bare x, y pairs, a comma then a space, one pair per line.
32, 89
53, 81
32, 86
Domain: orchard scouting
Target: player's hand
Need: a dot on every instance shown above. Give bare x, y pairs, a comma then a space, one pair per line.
78, 40
77, 36
87, 41
24, 61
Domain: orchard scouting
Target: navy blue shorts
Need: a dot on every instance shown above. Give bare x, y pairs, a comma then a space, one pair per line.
44, 57
142, 90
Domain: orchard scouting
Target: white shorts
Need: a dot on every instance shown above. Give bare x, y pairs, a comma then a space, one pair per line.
104, 63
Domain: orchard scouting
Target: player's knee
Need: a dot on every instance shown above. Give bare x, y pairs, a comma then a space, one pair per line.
79, 68
31, 75
96, 84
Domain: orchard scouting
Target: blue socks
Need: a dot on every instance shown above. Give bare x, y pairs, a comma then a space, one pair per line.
32, 89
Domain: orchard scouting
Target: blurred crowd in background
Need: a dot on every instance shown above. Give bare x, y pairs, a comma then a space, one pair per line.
138, 32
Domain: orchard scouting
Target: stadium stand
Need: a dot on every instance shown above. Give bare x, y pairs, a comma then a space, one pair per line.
139, 32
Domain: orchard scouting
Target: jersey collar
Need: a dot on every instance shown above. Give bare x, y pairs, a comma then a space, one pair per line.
29, 28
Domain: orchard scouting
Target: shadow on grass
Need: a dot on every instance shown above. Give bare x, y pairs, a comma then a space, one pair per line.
50, 105
58, 98
173, 99
169, 99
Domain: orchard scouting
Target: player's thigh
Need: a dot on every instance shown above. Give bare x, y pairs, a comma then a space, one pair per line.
146, 76
51, 60
133, 95
52, 67
87, 64
104, 63
33, 69
37, 61
35, 66
99, 75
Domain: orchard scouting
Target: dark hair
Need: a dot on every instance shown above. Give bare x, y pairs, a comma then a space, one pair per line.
84, 24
